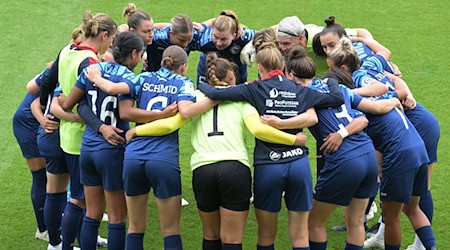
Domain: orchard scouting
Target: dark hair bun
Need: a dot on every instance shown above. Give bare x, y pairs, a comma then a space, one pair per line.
296, 52
330, 21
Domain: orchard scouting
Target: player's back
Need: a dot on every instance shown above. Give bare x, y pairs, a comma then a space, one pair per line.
103, 105
397, 139
219, 133
333, 119
156, 91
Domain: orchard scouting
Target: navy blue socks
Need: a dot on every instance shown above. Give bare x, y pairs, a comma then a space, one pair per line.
116, 236
38, 194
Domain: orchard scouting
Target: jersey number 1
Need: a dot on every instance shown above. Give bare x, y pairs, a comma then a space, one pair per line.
215, 130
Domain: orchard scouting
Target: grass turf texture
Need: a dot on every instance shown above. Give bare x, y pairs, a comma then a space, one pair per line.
34, 31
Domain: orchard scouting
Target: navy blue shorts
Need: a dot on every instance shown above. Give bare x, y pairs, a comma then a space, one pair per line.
139, 176
56, 164
431, 139
355, 178
73, 164
226, 184
400, 188
294, 178
102, 168
25, 131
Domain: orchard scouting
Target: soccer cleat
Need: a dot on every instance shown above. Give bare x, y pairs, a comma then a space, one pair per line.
339, 228
252, 199
101, 242
373, 210
376, 240
41, 235
184, 202
105, 217
57, 247
415, 247
373, 230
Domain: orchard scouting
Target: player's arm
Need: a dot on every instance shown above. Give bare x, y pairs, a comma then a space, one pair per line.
324, 100
378, 107
46, 121
375, 46
403, 91
58, 111
189, 109
270, 134
49, 82
161, 25
232, 93
374, 88
334, 140
32, 86
128, 112
303, 120
72, 99
94, 75
209, 22
364, 33
157, 128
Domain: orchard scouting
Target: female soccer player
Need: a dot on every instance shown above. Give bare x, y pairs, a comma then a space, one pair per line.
354, 154
140, 22
404, 178
279, 168
225, 38
328, 39
101, 162
98, 32
221, 174
423, 120
25, 128
350, 160
292, 32
48, 143
153, 161
180, 32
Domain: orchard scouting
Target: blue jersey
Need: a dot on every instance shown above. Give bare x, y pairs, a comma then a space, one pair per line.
333, 119
363, 51
49, 142
23, 112
397, 139
231, 53
281, 97
25, 126
103, 105
422, 118
155, 91
161, 40
372, 69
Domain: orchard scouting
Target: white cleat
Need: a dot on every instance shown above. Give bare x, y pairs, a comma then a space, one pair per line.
415, 247
252, 199
373, 210
101, 242
105, 217
57, 247
376, 240
41, 235
184, 202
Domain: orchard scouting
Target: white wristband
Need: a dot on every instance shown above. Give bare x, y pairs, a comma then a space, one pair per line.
343, 132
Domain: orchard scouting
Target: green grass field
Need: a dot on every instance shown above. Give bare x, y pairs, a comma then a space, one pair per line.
34, 31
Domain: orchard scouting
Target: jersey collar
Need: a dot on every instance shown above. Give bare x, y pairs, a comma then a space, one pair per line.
80, 47
274, 73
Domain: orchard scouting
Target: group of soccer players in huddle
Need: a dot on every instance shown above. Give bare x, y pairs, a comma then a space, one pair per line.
73, 127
